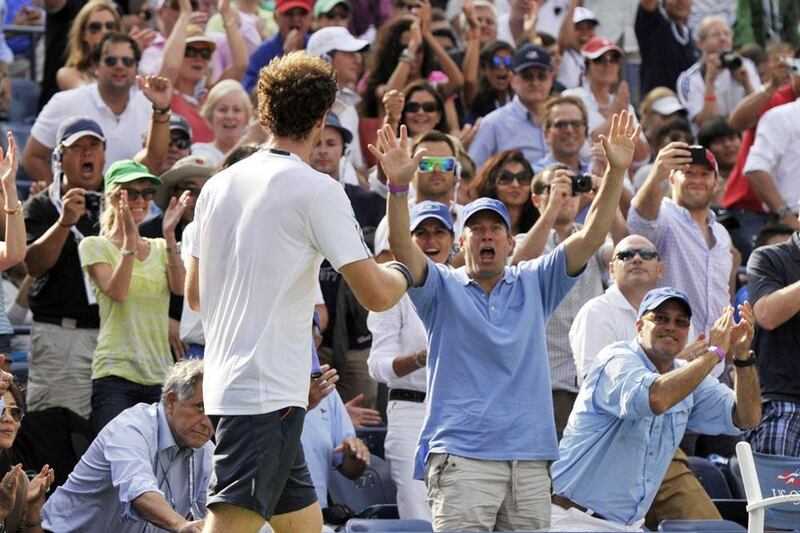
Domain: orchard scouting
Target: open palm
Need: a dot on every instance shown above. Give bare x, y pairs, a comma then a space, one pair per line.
397, 163
621, 141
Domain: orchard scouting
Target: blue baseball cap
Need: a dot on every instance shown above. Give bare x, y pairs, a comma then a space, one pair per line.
333, 122
660, 295
428, 209
486, 204
530, 55
76, 127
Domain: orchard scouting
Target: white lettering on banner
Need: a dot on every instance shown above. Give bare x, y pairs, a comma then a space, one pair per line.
784, 492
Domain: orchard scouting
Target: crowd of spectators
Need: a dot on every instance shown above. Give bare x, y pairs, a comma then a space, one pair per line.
601, 198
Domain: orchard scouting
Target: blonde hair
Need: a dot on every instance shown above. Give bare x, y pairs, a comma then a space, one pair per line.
222, 89
108, 217
79, 55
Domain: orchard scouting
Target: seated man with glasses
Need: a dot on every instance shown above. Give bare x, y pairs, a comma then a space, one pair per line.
635, 404
148, 468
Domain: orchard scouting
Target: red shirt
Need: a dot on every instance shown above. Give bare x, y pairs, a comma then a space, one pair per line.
738, 192
201, 131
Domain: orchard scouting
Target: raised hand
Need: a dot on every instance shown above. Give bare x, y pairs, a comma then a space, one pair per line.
674, 156
473, 30
157, 89
362, 416
416, 36
468, 133
393, 102
131, 235
174, 212
621, 141
144, 37
393, 156
322, 386
743, 331
38, 487
720, 334
8, 168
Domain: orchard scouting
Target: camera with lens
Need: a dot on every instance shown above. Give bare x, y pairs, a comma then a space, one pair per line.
581, 183
94, 201
730, 60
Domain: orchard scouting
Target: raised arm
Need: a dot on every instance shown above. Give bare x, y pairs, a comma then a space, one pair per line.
13, 250
536, 237
175, 47
230, 19
674, 156
158, 90
455, 80
619, 148
747, 409
566, 34
471, 54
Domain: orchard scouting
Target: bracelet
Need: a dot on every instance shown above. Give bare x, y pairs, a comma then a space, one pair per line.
397, 189
128, 252
161, 110
164, 121
407, 57
416, 360
743, 363
174, 249
718, 351
68, 226
15, 211
400, 267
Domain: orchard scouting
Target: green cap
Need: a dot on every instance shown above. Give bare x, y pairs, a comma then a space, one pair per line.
323, 6
126, 171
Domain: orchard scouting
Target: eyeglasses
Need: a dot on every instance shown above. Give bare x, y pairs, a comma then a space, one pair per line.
191, 51
501, 61
564, 124
134, 194
523, 177
16, 412
181, 143
97, 27
629, 253
111, 61
604, 59
429, 164
663, 320
428, 107
534, 74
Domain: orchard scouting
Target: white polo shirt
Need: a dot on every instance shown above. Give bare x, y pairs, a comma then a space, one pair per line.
691, 88
125, 133
263, 227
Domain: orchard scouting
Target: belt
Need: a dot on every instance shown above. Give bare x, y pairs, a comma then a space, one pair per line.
407, 395
566, 503
68, 323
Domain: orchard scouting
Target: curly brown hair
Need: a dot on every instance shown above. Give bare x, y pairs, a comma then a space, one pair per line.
294, 93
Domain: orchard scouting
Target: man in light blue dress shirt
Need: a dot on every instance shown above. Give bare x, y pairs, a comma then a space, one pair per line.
148, 470
489, 431
634, 406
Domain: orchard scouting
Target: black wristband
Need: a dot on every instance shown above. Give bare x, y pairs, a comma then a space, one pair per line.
160, 111
400, 267
742, 363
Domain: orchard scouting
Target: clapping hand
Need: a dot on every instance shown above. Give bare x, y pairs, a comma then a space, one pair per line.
621, 141
8, 168
743, 331
393, 156
720, 334
393, 102
8, 491
128, 224
174, 212
39, 486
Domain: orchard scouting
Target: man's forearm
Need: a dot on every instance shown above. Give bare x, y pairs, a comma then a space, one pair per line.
42, 254
675, 385
776, 308
747, 411
604, 207
745, 114
536, 238
153, 508
647, 201
764, 186
400, 241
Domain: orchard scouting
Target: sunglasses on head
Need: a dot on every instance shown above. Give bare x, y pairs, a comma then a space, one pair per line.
97, 27
629, 253
533, 74
564, 124
523, 177
181, 143
205, 53
428, 107
16, 412
429, 164
663, 320
111, 61
501, 61
134, 194
613, 59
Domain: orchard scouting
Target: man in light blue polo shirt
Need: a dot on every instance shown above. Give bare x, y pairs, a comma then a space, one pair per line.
635, 404
515, 125
489, 430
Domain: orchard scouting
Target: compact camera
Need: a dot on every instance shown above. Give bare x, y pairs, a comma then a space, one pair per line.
731, 60
581, 183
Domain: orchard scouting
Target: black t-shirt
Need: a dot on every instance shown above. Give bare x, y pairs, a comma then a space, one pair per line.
56, 30
369, 209
665, 53
771, 268
60, 292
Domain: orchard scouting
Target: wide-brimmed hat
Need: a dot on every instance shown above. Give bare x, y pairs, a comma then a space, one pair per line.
191, 166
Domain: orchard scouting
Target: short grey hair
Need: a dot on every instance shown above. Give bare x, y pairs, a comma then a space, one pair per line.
183, 378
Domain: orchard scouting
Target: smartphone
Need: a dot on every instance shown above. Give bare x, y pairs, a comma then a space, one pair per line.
698, 155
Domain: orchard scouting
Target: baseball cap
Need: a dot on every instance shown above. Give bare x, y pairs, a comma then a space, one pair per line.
126, 171
195, 35
191, 166
334, 122
324, 6
582, 14
282, 6
597, 46
667, 105
658, 296
332, 39
530, 55
76, 127
424, 210
178, 123
486, 204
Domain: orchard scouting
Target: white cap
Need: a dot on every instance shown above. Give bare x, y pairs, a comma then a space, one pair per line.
667, 105
332, 39
582, 14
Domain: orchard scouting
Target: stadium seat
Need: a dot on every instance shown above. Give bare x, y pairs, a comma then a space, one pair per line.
707, 526
733, 475
360, 524
710, 477
371, 495
771, 483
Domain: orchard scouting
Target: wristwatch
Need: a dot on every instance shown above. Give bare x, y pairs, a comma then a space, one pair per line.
742, 363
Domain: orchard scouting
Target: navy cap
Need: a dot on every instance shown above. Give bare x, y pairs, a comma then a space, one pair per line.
530, 55
334, 122
486, 204
177, 122
74, 128
428, 209
660, 295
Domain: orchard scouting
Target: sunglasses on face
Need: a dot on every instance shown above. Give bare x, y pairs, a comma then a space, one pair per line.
629, 253
205, 53
181, 143
523, 177
428, 107
501, 61
612, 59
564, 124
533, 74
111, 61
663, 320
429, 164
134, 194
97, 27
16, 412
